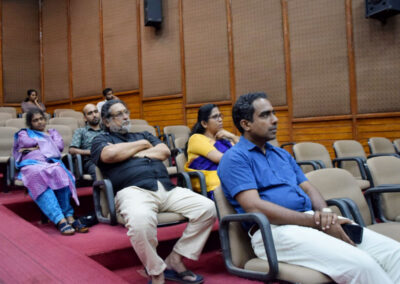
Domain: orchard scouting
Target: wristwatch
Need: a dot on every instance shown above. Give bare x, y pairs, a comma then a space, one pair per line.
327, 210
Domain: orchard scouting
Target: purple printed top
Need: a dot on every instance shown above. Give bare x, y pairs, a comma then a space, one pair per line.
43, 174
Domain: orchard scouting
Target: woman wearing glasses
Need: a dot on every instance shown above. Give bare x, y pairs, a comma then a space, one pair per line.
207, 143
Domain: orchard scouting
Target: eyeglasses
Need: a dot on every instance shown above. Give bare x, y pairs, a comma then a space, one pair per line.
217, 116
121, 114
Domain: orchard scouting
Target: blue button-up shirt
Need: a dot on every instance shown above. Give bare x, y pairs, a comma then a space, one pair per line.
274, 174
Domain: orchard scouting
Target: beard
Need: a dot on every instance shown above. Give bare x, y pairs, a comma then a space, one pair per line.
94, 122
123, 129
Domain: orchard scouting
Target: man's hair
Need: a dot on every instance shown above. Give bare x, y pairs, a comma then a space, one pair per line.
106, 90
30, 114
244, 109
105, 110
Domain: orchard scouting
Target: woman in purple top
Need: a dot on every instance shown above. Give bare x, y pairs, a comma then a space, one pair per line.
32, 102
37, 154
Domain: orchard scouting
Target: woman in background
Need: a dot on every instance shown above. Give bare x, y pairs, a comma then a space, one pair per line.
32, 102
207, 143
37, 154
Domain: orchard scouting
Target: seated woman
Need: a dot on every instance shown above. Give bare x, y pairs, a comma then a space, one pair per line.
32, 102
37, 156
207, 143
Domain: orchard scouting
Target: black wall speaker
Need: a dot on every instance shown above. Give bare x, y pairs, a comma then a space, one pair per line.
153, 13
381, 9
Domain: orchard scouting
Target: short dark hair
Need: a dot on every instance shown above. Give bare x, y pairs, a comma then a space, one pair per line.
244, 109
106, 90
30, 114
28, 93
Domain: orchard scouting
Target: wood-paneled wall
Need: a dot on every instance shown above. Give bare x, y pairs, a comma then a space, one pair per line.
294, 69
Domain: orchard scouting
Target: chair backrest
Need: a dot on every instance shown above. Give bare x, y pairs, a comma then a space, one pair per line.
386, 170
305, 151
10, 110
339, 183
180, 142
57, 111
135, 128
3, 117
139, 121
6, 141
396, 144
349, 148
179, 131
380, 145
239, 240
16, 122
69, 121
75, 114
66, 134
180, 161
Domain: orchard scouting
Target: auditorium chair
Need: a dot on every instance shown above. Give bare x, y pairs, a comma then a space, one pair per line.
339, 184
381, 146
238, 253
174, 132
315, 152
75, 114
3, 117
139, 121
385, 174
16, 122
6, 146
57, 111
11, 110
396, 144
69, 121
104, 205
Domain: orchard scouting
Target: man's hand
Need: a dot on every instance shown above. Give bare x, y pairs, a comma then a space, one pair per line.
337, 231
325, 219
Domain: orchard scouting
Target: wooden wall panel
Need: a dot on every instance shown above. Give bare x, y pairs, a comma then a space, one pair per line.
164, 112
323, 132
21, 49
55, 50
258, 48
85, 44
377, 57
318, 58
161, 57
120, 44
206, 51
283, 134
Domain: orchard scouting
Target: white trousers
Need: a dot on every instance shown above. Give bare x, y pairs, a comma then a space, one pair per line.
375, 260
139, 208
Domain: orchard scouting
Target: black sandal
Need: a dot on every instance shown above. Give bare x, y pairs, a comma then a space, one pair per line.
65, 229
79, 227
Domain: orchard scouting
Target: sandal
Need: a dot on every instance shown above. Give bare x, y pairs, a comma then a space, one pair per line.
79, 227
172, 275
65, 229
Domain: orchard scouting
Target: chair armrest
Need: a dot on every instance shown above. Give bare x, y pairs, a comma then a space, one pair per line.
355, 211
158, 130
283, 145
79, 166
264, 225
202, 180
108, 189
67, 160
359, 160
375, 192
10, 171
183, 179
383, 154
312, 163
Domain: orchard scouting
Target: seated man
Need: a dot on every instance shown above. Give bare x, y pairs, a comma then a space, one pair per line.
108, 95
258, 177
133, 163
83, 137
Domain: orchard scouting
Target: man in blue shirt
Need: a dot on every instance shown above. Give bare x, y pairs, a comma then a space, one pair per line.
258, 177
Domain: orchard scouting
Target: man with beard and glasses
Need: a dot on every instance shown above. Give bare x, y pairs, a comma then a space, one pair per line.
134, 164
83, 137
258, 177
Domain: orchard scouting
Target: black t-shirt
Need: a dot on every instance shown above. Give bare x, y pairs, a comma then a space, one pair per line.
141, 172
